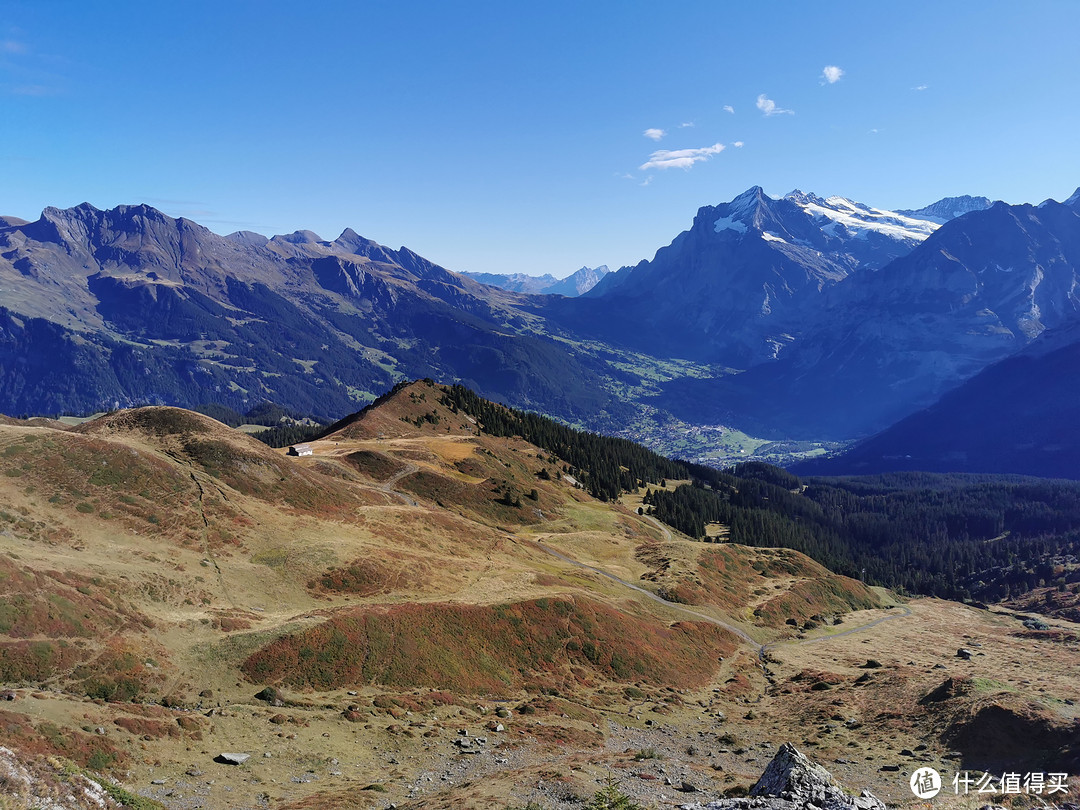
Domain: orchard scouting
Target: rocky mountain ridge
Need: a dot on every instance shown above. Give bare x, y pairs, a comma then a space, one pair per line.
577, 283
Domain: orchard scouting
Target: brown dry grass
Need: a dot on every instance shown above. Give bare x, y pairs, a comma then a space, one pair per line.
278, 554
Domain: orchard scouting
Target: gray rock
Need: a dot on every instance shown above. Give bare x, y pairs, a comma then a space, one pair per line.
232, 759
964, 653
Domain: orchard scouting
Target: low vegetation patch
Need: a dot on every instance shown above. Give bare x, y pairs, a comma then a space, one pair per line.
87, 750
490, 649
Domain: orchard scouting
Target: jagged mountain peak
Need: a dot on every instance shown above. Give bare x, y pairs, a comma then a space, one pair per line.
1074, 200
949, 208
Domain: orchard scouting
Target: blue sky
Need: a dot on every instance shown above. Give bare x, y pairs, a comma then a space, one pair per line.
513, 137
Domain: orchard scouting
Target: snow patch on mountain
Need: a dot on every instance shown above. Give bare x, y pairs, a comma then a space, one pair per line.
729, 223
859, 220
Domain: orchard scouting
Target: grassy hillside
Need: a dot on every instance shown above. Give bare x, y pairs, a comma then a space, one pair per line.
171, 589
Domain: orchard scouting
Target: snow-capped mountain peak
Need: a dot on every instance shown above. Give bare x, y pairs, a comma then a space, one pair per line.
858, 220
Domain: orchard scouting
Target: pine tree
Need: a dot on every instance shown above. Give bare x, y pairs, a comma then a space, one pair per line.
609, 797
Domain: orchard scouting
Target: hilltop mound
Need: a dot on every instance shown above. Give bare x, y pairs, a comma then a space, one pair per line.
409, 409
553, 643
233, 458
155, 421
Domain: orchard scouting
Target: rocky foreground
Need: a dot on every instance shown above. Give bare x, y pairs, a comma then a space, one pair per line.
791, 782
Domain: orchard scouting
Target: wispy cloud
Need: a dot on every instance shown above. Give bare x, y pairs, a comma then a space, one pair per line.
768, 106
646, 181
680, 158
738, 144
686, 124
832, 74
654, 134
919, 87
12, 46
34, 90
729, 109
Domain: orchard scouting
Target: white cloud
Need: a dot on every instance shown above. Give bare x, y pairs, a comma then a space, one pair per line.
654, 134
768, 106
680, 158
738, 144
920, 87
686, 124
832, 74
646, 181
728, 108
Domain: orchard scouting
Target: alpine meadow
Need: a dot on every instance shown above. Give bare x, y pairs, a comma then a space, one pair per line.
712, 444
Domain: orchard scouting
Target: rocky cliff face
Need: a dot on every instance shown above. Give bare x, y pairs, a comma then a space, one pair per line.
890, 342
746, 279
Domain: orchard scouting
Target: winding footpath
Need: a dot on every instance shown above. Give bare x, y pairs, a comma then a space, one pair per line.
762, 649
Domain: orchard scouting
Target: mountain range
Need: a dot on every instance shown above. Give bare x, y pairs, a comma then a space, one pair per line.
800, 317
577, 283
104, 309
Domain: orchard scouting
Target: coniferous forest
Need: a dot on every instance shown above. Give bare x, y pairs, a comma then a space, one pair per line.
979, 537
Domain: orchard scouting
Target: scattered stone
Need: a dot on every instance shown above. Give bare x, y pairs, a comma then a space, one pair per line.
351, 693
232, 759
890, 768
193, 771
158, 781
502, 712
964, 653
279, 719
8, 694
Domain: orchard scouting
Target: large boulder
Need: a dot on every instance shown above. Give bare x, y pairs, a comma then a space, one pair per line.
793, 782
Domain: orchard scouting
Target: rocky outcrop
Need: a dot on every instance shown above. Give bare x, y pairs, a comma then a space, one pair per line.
793, 782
